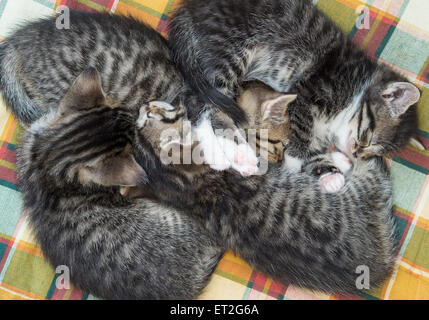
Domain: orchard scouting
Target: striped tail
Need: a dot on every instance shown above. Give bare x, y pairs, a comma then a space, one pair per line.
25, 110
200, 85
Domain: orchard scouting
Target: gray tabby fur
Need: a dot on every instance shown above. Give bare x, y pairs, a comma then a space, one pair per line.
343, 96
302, 240
70, 164
39, 62
282, 223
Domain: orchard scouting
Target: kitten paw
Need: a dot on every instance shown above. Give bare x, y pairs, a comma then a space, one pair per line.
159, 111
293, 165
341, 161
221, 153
331, 182
215, 157
239, 157
212, 146
245, 160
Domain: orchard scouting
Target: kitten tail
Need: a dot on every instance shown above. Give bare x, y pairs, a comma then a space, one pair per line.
14, 94
194, 76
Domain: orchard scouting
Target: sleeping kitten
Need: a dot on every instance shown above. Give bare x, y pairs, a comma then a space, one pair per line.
272, 117
266, 109
345, 98
70, 165
39, 62
283, 224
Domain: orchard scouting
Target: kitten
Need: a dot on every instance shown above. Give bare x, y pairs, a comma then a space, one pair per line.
345, 98
266, 109
283, 224
39, 62
272, 118
71, 163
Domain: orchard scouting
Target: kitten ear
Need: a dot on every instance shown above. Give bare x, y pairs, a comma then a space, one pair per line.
274, 110
85, 92
400, 96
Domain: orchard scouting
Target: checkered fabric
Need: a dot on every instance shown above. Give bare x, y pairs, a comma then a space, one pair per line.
395, 32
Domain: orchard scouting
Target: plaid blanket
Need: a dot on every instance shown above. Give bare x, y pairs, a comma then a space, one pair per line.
395, 32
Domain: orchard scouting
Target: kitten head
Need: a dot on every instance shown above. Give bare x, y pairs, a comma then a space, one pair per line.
163, 126
267, 109
85, 141
386, 120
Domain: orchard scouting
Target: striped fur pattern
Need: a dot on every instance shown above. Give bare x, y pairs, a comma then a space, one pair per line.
265, 110
343, 96
39, 62
282, 223
71, 163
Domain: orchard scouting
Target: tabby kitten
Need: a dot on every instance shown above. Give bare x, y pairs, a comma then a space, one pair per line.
344, 97
283, 224
265, 109
39, 62
70, 165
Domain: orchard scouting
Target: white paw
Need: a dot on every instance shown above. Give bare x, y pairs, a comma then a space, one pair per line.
214, 154
244, 159
331, 182
227, 154
293, 164
221, 153
341, 161
241, 157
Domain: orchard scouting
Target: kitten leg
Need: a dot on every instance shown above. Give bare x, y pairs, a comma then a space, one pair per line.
242, 157
245, 160
211, 146
330, 169
301, 125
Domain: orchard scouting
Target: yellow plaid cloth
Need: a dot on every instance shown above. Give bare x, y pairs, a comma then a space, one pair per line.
398, 35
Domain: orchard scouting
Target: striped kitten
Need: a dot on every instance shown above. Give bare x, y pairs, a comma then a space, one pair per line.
266, 110
70, 165
283, 224
39, 62
365, 108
